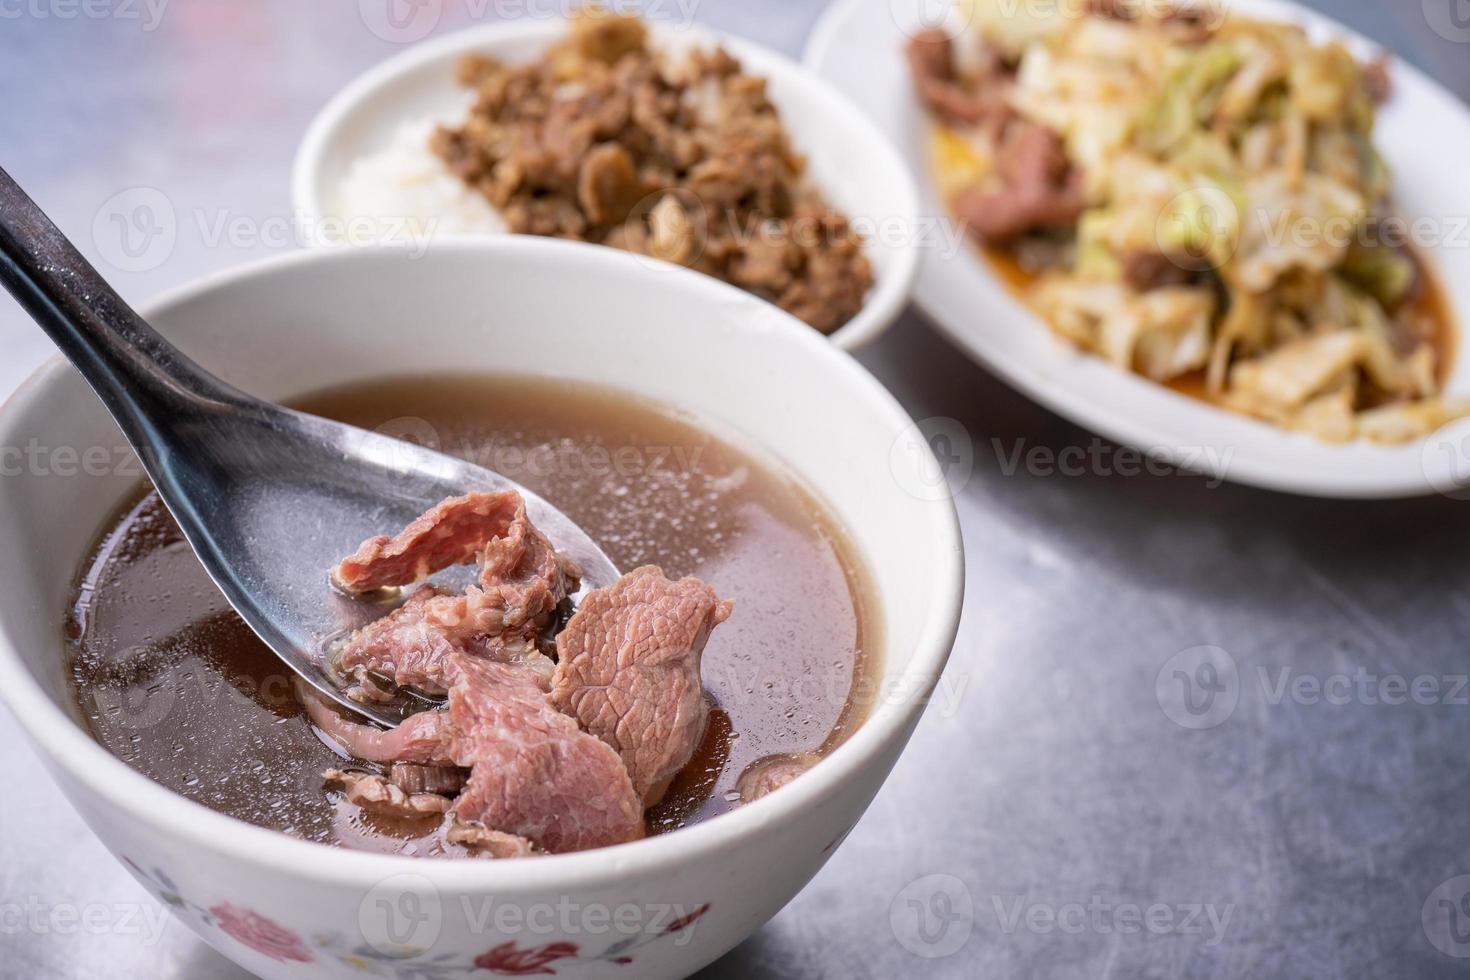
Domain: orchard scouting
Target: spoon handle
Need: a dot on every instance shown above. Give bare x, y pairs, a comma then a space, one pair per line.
137, 373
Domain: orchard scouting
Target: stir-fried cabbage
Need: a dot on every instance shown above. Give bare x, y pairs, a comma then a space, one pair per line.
1241, 152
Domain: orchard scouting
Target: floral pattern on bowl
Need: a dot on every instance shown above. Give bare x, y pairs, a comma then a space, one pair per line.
269, 938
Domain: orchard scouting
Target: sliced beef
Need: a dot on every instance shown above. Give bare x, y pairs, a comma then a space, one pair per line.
524, 775
425, 738
765, 776
378, 795
1041, 191
1146, 269
534, 773
982, 101
413, 778
629, 671
414, 644
527, 574
523, 580
408, 646
453, 533
484, 841
1377, 81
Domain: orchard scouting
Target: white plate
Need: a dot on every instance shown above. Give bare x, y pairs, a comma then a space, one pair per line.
850, 159
1423, 131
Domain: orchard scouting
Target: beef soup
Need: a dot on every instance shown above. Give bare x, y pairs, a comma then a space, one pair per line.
174, 684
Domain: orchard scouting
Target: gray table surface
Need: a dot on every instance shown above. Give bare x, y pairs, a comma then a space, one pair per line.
1065, 815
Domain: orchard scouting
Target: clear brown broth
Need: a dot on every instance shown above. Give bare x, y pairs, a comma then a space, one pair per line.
171, 681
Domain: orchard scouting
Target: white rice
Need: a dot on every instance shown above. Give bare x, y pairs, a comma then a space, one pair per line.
405, 185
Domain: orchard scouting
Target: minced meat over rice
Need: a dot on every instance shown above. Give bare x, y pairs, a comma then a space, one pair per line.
685, 159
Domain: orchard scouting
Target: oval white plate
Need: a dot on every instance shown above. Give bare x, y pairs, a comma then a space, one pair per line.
850, 159
1423, 131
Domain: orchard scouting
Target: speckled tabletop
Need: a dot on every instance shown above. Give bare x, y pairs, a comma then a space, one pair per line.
1064, 814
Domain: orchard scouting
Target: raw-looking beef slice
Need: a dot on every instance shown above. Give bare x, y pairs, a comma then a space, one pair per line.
423, 738
516, 650
452, 533
629, 671
534, 773
487, 842
413, 778
413, 644
768, 775
526, 571
377, 795
407, 645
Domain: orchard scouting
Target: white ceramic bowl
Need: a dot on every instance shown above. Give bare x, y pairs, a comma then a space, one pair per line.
850, 158
1423, 131
273, 903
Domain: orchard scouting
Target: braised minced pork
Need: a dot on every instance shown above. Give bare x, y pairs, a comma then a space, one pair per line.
602, 140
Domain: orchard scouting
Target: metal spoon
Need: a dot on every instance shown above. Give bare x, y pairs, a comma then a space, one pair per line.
268, 498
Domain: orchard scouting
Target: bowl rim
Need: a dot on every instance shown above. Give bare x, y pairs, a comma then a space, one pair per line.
892, 290
57, 736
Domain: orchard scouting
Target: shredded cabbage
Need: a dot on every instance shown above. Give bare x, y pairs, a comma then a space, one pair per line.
1244, 154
